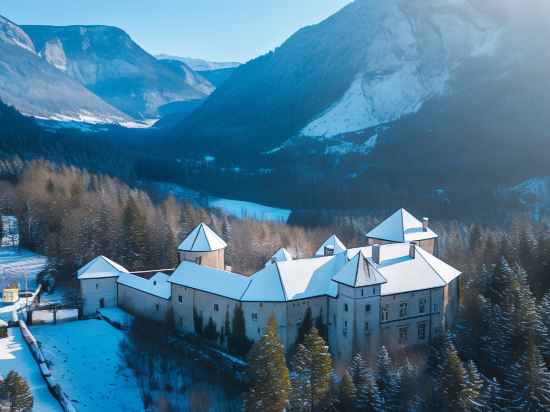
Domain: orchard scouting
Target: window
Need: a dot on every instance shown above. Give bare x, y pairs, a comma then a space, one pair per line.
157, 307
345, 331
421, 331
97, 286
367, 308
198, 260
362, 292
402, 310
329, 251
259, 331
436, 307
367, 331
374, 291
345, 307
403, 335
180, 299
261, 304
422, 305
385, 313
216, 307
254, 317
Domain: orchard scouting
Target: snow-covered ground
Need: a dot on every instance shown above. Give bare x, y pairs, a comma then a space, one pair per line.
16, 263
15, 355
85, 361
117, 316
238, 208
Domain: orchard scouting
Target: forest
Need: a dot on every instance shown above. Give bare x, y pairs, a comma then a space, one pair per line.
497, 357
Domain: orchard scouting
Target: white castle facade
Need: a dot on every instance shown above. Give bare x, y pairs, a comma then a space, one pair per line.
393, 291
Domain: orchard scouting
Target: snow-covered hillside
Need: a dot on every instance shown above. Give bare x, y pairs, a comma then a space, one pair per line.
412, 51
199, 64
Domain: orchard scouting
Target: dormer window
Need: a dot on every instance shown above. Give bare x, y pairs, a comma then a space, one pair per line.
329, 251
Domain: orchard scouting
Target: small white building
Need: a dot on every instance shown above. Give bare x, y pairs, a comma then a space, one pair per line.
393, 291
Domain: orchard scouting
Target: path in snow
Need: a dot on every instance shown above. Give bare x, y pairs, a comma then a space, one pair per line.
85, 361
15, 355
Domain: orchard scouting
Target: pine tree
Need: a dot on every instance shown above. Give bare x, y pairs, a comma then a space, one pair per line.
368, 396
475, 239
227, 236
18, 392
226, 327
305, 326
491, 399
134, 235
301, 395
544, 331
409, 398
527, 384
347, 393
474, 385
453, 376
321, 369
268, 374
237, 342
388, 380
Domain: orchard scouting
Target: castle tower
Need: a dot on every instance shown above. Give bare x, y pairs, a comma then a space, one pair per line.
356, 310
204, 247
403, 227
331, 246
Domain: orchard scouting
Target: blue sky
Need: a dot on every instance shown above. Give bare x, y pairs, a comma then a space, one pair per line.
213, 29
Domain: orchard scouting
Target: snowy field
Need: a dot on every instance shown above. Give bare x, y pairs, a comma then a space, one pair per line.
238, 208
16, 263
15, 355
85, 361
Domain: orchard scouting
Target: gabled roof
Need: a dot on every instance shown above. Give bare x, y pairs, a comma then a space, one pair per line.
281, 255
331, 243
202, 239
295, 279
157, 285
401, 227
358, 272
219, 282
406, 274
100, 267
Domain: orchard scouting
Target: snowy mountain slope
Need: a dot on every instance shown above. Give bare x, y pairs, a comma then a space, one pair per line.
39, 89
199, 64
366, 67
109, 63
412, 52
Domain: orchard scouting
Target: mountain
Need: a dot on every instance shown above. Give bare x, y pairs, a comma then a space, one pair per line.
199, 64
110, 64
219, 76
39, 89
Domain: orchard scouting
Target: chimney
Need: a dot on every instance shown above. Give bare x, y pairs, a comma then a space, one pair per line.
376, 253
425, 224
412, 249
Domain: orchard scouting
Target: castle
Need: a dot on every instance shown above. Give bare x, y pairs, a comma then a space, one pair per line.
393, 291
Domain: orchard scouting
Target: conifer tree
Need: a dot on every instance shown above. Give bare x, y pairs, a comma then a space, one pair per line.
347, 393
268, 374
300, 381
491, 399
237, 342
228, 238
474, 385
453, 379
305, 326
368, 397
18, 392
134, 232
409, 398
527, 384
544, 331
387, 379
321, 369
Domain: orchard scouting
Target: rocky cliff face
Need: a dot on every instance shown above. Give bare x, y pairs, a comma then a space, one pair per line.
108, 62
38, 88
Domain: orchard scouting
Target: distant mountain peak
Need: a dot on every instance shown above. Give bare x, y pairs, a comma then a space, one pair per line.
199, 64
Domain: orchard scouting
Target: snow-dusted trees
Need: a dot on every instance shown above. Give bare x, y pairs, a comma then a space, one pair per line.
16, 391
269, 383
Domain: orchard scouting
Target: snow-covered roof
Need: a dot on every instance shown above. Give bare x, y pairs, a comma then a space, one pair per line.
157, 285
202, 239
100, 267
401, 227
358, 272
3, 324
281, 255
406, 274
332, 243
295, 279
219, 282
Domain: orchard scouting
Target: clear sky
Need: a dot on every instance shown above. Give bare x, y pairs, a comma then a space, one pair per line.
221, 30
